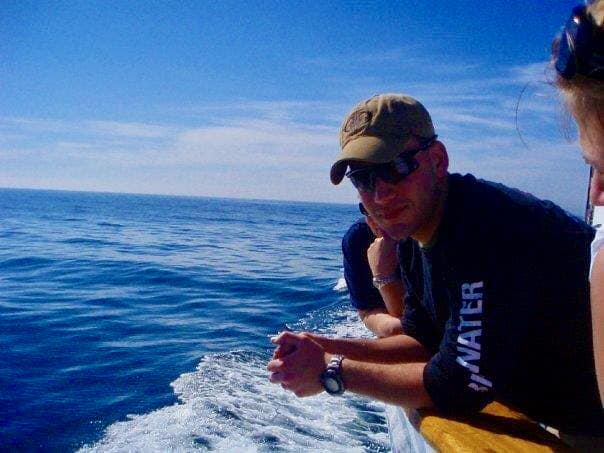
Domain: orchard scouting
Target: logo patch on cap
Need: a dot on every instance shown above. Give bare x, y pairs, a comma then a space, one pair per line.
357, 121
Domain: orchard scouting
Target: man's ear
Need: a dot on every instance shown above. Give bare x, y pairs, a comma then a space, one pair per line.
439, 159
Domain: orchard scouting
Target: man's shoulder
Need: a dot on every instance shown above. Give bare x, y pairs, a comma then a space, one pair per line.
490, 194
358, 233
358, 228
512, 209
511, 228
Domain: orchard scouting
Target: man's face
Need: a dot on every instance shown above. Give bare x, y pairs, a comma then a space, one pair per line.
407, 208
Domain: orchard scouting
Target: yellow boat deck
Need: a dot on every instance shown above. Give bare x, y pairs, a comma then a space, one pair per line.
497, 428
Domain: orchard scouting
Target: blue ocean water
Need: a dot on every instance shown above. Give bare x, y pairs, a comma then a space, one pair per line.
142, 323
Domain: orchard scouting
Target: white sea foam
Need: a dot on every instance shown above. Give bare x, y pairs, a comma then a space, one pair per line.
334, 320
340, 285
227, 404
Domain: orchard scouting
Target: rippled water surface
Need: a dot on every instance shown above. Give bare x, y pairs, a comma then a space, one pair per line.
141, 323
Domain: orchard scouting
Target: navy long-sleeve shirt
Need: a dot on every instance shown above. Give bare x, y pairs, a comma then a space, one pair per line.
501, 298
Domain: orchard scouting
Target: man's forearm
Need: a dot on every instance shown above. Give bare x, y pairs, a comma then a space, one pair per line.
395, 349
399, 384
381, 323
302, 359
393, 296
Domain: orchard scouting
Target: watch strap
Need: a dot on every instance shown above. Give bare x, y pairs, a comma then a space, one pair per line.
336, 363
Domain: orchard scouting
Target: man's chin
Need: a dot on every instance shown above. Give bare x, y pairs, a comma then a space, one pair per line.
397, 231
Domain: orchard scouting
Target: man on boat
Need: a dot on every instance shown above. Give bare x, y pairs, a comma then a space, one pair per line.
497, 294
375, 290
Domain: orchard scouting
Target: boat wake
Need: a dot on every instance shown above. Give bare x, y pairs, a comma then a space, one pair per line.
228, 404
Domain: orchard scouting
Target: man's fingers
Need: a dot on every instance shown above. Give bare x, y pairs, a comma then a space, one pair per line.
376, 243
275, 365
283, 350
278, 352
275, 377
282, 364
280, 377
286, 337
303, 392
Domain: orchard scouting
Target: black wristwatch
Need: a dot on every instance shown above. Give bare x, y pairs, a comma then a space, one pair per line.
331, 378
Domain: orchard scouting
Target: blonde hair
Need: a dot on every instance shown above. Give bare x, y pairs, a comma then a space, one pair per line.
583, 95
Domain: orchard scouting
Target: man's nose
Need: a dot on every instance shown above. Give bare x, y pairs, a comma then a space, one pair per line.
596, 192
383, 191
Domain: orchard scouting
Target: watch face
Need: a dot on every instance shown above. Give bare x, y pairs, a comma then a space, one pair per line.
331, 385
331, 378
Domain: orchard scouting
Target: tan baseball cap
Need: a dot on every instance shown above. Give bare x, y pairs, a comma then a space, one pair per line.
377, 130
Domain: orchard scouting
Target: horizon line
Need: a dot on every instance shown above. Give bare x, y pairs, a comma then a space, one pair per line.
107, 192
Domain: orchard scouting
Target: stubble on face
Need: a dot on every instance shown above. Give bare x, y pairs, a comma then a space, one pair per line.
407, 208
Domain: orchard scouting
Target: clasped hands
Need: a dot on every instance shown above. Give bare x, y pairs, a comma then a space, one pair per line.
297, 363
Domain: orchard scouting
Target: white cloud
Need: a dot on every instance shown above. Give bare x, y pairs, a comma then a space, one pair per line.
75, 145
135, 130
221, 113
260, 133
532, 72
237, 141
256, 143
93, 127
35, 124
284, 148
450, 118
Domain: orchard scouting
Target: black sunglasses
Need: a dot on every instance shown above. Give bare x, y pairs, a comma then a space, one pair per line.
363, 210
364, 179
580, 47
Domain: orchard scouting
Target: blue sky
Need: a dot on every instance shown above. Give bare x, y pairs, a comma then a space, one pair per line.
244, 99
